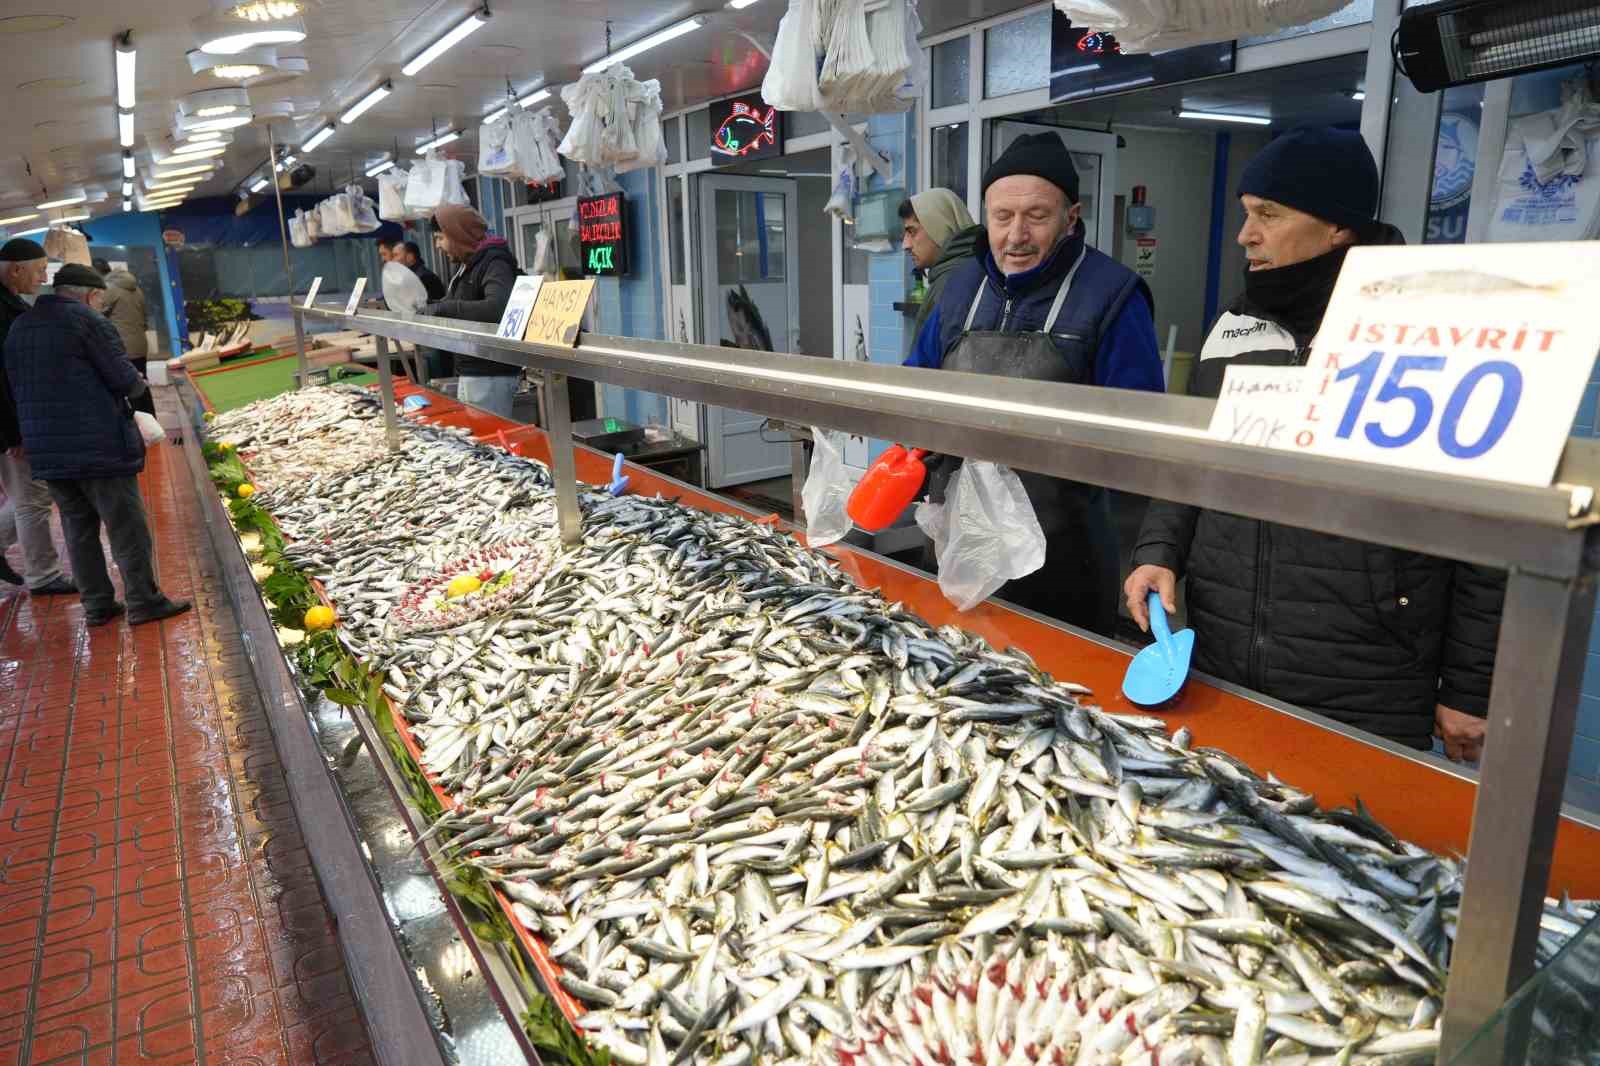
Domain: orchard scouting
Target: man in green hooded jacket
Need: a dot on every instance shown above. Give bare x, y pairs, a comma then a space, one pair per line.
938, 235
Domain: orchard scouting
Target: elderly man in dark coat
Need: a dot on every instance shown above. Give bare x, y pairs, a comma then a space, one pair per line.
72, 382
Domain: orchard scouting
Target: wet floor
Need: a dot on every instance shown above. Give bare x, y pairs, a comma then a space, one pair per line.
157, 903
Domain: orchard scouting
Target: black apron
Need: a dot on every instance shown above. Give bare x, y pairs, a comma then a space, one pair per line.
1078, 581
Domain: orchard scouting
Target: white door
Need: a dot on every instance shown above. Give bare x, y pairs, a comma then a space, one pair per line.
750, 287
1094, 155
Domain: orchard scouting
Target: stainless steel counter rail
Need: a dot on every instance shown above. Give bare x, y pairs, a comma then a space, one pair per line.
1157, 445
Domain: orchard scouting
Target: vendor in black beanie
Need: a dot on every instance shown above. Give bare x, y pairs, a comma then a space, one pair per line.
1395, 643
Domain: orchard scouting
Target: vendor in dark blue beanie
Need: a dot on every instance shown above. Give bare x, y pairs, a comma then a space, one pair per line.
1302, 616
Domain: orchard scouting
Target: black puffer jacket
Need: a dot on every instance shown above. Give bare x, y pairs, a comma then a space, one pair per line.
1367, 635
479, 292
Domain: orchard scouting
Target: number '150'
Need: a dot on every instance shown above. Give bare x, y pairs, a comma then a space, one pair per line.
1394, 390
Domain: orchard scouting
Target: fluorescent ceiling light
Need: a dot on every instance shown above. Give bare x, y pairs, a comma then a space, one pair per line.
525, 102
438, 142
227, 39
229, 122
127, 164
1223, 116
125, 128
201, 168
287, 162
75, 218
125, 68
198, 150
67, 201
1358, 95
671, 33
18, 218
374, 171
127, 188
740, 5
30, 232
261, 10
367, 102
318, 137
260, 183
438, 48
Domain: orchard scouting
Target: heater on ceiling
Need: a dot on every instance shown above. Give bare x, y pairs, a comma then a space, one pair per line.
1456, 42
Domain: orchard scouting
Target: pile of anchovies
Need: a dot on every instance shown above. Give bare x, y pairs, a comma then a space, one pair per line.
758, 814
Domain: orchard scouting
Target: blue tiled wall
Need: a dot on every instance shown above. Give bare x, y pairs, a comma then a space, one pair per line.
889, 274
631, 306
1583, 772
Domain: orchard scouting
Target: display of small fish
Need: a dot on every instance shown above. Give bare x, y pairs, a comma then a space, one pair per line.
759, 814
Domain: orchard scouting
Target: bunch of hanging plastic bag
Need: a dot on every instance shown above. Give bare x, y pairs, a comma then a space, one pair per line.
297, 230
833, 55
534, 138
392, 195
434, 182
314, 224
984, 534
1548, 187
497, 153
1153, 25
616, 120
363, 212
337, 218
829, 483
403, 291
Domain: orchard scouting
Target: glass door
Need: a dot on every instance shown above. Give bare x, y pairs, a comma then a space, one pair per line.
750, 289
525, 224
1094, 156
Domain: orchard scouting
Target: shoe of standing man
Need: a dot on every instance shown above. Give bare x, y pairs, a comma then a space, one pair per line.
25, 515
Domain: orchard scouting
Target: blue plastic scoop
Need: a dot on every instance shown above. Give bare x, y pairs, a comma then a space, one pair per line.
1158, 672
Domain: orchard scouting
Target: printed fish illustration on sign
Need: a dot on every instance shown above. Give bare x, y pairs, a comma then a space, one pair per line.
746, 130
1450, 283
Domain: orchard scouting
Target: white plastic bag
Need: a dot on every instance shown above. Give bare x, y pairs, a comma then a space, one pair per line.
536, 136
496, 152
1548, 187
842, 203
791, 81
984, 534
392, 195
403, 291
827, 489
425, 189
297, 230
890, 60
652, 150
314, 225
364, 213
149, 428
454, 191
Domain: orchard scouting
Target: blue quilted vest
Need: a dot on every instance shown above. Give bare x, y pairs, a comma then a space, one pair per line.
1021, 303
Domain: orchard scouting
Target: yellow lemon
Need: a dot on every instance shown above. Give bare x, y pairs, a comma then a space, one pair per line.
246, 491
320, 617
462, 584
226, 446
211, 417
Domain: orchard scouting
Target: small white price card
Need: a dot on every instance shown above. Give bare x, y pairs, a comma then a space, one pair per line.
311, 295
1466, 360
355, 296
524, 294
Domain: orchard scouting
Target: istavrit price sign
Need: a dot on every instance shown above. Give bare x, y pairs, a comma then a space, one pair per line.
523, 295
1465, 360
311, 294
558, 314
355, 296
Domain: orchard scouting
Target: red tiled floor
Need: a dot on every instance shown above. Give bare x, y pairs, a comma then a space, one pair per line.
157, 903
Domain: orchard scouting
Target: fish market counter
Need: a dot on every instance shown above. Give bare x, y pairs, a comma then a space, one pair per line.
1421, 799
1335, 763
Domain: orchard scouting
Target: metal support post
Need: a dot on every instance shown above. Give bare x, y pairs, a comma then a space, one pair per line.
562, 464
304, 369
391, 421
1532, 714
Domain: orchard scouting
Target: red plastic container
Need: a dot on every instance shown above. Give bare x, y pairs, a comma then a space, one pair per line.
887, 489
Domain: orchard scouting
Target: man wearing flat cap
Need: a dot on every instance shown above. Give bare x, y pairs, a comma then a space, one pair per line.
1039, 303
25, 515
73, 381
1392, 642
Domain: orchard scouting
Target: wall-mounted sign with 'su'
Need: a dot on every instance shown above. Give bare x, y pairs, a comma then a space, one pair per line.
602, 234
